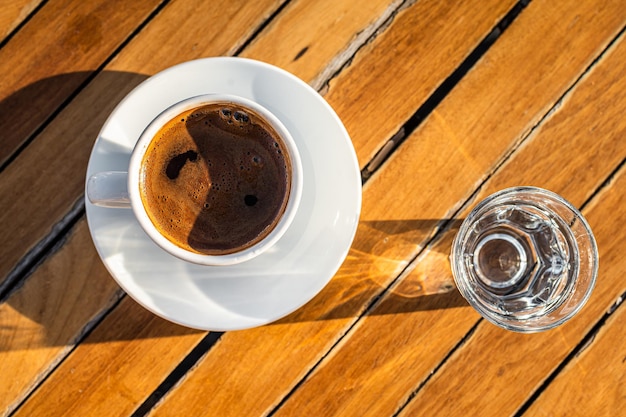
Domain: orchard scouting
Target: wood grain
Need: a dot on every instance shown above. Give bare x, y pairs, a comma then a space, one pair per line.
14, 12
53, 54
41, 321
340, 28
594, 383
132, 354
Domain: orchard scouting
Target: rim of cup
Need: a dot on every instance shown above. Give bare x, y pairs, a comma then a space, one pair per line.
245, 254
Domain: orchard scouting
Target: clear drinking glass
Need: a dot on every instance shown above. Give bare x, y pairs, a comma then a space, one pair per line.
525, 259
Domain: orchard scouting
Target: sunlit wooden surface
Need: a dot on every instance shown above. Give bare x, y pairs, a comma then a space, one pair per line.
445, 102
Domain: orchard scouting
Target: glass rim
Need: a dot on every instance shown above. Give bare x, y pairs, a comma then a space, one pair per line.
537, 323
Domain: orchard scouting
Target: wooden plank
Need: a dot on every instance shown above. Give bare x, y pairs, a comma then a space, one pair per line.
594, 383
313, 54
53, 54
14, 12
520, 362
395, 337
395, 74
40, 322
136, 345
80, 363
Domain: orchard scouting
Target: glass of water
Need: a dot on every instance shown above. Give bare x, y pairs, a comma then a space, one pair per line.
525, 259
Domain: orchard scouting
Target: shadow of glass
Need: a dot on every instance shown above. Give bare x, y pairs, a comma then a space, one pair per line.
364, 279
392, 304
425, 226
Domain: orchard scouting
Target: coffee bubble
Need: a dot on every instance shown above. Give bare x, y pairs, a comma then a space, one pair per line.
241, 117
225, 113
250, 200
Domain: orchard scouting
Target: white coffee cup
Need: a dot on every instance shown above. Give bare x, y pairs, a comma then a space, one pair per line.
122, 189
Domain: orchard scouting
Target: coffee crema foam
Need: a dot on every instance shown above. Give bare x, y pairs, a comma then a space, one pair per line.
215, 179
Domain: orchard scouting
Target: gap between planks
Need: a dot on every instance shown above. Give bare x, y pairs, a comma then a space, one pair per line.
70, 347
21, 24
586, 342
46, 246
441, 92
174, 378
238, 50
82, 86
344, 59
589, 337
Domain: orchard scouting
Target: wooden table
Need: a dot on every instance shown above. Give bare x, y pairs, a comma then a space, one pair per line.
445, 102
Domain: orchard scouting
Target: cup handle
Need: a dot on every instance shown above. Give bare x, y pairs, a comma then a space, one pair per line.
109, 189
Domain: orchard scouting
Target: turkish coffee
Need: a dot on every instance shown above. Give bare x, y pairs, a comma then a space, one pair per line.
215, 179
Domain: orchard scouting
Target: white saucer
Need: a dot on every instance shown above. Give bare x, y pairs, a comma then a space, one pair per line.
274, 284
